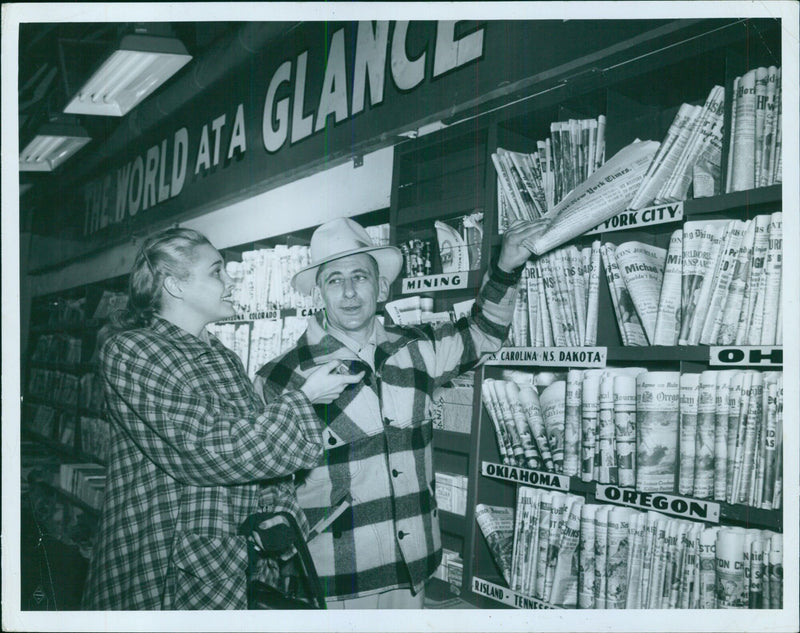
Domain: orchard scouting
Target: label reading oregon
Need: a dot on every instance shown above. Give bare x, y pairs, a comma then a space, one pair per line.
668, 504
769, 356
506, 596
449, 281
672, 212
525, 476
550, 356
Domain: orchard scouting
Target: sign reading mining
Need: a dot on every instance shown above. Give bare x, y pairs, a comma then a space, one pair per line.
435, 283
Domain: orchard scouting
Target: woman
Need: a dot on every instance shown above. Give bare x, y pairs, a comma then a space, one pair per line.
190, 439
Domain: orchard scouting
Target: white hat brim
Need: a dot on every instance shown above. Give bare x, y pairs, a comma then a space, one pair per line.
389, 258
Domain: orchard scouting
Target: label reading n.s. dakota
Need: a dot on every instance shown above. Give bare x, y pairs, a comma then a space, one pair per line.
648, 216
525, 476
668, 504
506, 596
770, 356
431, 283
550, 356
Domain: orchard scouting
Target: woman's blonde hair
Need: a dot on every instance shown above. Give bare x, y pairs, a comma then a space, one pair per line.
169, 253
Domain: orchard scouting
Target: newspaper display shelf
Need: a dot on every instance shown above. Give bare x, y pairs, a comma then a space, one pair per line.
633, 108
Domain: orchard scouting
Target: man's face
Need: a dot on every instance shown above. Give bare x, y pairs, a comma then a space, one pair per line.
350, 289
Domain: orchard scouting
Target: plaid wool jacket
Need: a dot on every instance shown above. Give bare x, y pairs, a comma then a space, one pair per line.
190, 439
377, 466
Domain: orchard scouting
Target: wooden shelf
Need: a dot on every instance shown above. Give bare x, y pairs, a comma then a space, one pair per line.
439, 209
659, 353
451, 441
750, 199
452, 523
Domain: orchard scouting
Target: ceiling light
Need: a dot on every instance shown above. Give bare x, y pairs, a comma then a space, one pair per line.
53, 144
140, 65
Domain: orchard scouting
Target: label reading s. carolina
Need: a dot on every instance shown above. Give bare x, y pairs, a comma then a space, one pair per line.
434, 283
550, 356
668, 504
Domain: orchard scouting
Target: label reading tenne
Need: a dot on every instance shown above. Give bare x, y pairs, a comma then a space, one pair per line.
506, 596
668, 504
550, 356
448, 281
771, 356
648, 216
525, 476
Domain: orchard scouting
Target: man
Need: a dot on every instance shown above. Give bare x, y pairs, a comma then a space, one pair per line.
375, 538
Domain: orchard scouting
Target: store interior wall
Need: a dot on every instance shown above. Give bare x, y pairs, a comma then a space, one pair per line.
344, 190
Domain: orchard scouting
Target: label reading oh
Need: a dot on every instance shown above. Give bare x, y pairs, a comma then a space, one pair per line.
770, 356
435, 283
648, 216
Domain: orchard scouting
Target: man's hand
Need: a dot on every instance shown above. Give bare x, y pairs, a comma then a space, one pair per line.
324, 384
514, 253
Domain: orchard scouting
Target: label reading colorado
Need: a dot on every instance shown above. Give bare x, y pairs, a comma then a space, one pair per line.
431, 283
525, 476
648, 216
506, 596
668, 504
550, 356
770, 356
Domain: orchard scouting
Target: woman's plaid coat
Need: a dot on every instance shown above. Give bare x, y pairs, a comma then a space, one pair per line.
377, 440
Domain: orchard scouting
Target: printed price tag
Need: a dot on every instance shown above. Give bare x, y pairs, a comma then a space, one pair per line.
435, 283
648, 216
506, 596
525, 476
771, 356
550, 356
668, 504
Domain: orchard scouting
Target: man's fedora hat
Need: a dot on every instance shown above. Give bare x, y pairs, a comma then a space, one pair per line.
340, 238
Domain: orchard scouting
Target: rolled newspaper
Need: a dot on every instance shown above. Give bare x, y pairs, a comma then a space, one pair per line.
564, 591
519, 406
600, 555
730, 581
707, 576
497, 526
617, 558
625, 429
586, 558
589, 411
553, 401
641, 267
603, 195
668, 317
776, 572
688, 407
657, 413
704, 444
531, 407
572, 423
755, 593
636, 534
722, 408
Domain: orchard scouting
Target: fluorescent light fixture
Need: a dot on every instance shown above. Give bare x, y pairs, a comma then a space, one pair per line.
140, 65
52, 145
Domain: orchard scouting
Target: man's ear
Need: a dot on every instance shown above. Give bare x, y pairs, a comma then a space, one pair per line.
383, 289
173, 287
316, 295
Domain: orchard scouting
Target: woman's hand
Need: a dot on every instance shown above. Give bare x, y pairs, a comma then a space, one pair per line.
324, 385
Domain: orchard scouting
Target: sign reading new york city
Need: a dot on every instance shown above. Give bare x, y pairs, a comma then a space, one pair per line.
660, 214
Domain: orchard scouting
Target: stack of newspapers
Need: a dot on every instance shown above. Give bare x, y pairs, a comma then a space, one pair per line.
711, 435
754, 156
557, 299
718, 283
731, 437
690, 152
531, 185
571, 554
262, 340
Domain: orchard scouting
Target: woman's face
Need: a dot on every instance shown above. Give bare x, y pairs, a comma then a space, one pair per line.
207, 292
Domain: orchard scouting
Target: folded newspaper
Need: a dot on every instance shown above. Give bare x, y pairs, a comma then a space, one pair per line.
497, 525
604, 194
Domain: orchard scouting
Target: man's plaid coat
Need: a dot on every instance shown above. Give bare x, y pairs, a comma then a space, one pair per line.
377, 439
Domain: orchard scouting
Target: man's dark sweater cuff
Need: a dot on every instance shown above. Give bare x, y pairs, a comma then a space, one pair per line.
500, 276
